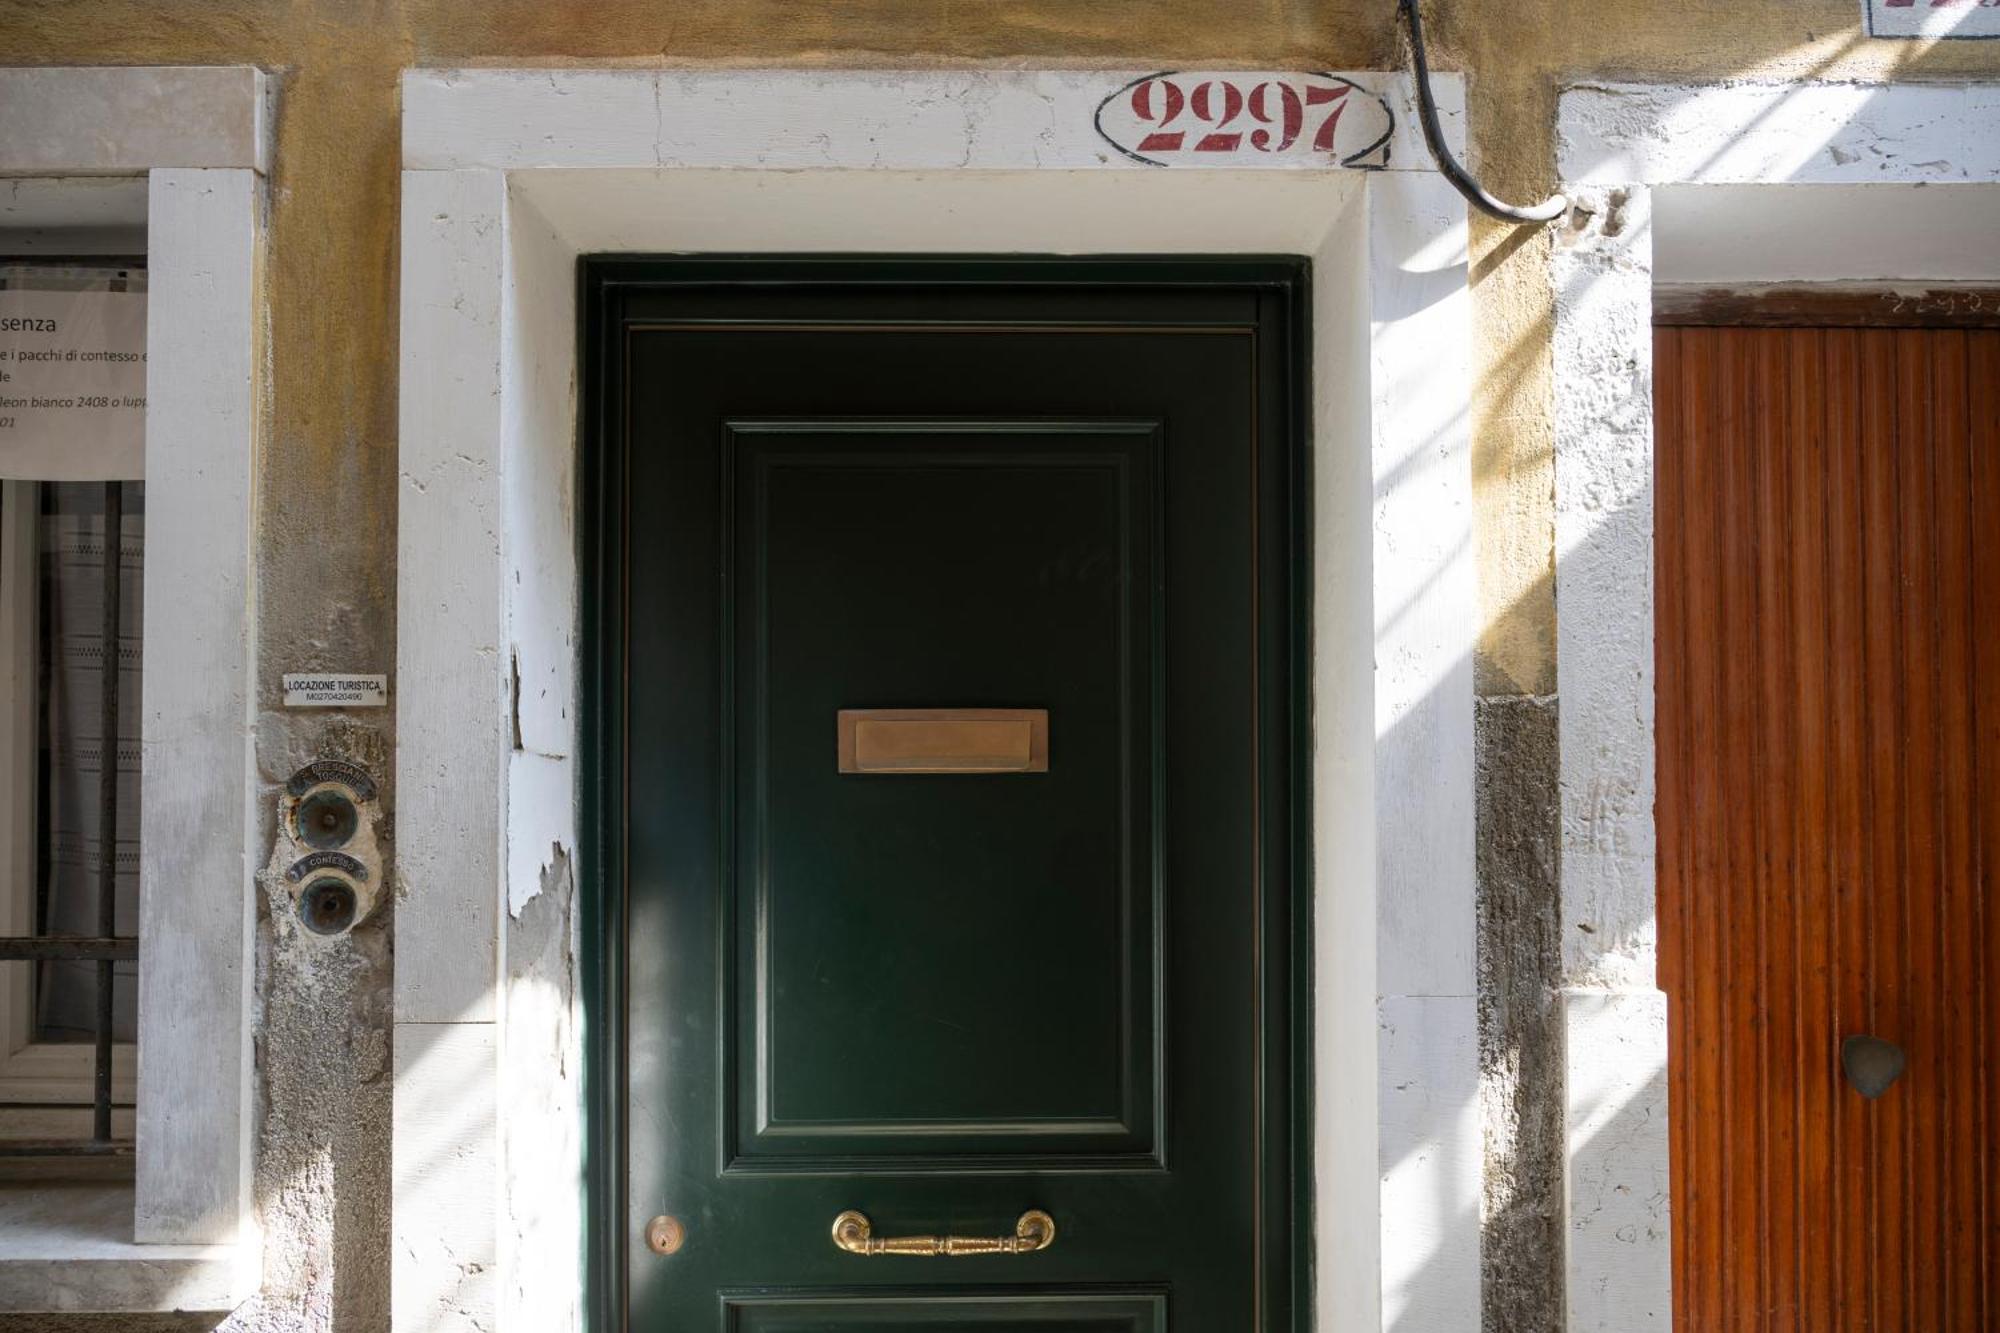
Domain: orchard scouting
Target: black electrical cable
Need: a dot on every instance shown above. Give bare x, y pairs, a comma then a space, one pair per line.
1547, 211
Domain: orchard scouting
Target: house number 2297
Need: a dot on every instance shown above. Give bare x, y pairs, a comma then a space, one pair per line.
1227, 118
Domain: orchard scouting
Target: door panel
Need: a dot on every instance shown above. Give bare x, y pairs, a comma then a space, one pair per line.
945, 999
1828, 707
990, 904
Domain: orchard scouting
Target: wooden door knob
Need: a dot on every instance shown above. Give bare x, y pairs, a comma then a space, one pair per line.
1871, 1064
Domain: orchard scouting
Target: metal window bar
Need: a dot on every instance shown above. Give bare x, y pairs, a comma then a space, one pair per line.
106, 948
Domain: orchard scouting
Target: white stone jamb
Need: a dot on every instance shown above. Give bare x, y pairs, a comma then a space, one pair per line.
1617, 145
1420, 377
198, 812
454, 733
509, 175
1614, 1018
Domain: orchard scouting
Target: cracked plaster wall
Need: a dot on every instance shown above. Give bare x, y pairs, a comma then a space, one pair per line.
327, 504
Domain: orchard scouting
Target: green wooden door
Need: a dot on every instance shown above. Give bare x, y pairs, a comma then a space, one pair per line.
945, 1000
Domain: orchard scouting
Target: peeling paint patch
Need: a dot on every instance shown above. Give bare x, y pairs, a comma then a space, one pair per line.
542, 1134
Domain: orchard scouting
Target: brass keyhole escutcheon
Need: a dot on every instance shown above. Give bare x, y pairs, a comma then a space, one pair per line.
665, 1234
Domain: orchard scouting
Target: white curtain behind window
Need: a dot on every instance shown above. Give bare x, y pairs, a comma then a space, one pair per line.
73, 659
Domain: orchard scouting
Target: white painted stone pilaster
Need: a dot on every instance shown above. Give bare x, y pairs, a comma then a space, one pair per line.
454, 736
1617, 1274
1420, 378
541, 1052
198, 817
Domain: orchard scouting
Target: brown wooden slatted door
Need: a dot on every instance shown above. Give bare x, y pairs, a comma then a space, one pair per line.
1828, 601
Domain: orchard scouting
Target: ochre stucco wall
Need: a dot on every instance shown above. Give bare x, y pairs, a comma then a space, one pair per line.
332, 274
327, 507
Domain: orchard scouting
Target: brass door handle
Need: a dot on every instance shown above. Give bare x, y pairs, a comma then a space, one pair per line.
1035, 1230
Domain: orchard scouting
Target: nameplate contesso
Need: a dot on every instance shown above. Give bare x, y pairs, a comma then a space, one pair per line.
1932, 18
943, 740
340, 861
1241, 118
72, 385
335, 689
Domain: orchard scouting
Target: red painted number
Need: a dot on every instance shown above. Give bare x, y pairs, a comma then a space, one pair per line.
1171, 101
1206, 109
1217, 103
1291, 116
1323, 141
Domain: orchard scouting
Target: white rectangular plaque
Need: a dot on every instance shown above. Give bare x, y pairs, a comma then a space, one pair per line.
1933, 18
335, 689
72, 385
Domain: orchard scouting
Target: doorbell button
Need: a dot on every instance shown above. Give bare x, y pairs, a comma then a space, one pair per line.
327, 906
327, 819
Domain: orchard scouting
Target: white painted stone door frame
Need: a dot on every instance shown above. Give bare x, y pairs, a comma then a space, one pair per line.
1618, 145
197, 139
509, 175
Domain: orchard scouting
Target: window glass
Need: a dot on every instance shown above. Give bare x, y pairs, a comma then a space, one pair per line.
72, 512
75, 653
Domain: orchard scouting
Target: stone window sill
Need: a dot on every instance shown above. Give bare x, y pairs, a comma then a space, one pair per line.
67, 1247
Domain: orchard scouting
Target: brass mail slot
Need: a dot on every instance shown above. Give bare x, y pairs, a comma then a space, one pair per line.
944, 740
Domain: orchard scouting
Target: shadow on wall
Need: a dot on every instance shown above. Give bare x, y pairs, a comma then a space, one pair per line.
1531, 1160
1522, 1142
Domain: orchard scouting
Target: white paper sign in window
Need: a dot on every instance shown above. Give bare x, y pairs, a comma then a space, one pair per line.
1933, 18
72, 385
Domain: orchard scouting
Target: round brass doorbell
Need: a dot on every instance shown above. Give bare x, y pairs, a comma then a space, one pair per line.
327, 818
327, 906
328, 854
665, 1235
